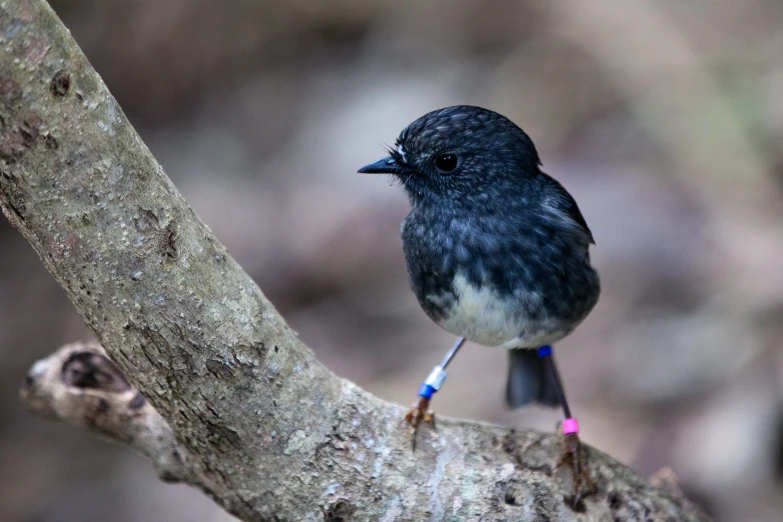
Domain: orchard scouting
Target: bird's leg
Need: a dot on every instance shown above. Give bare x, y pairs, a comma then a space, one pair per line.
573, 454
420, 412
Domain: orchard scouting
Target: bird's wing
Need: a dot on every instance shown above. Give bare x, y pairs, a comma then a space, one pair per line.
558, 200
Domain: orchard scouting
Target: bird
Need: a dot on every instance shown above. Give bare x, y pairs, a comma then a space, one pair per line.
497, 253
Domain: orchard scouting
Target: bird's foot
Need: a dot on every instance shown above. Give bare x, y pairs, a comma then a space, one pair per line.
419, 413
575, 457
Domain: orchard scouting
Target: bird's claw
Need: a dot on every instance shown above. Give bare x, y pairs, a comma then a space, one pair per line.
419, 413
575, 457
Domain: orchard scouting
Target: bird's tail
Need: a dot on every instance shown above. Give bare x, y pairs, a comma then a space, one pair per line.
530, 380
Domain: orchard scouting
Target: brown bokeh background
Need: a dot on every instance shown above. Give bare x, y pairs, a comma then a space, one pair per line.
664, 119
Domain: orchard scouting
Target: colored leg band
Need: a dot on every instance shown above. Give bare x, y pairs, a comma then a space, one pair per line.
432, 383
570, 425
544, 351
426, 391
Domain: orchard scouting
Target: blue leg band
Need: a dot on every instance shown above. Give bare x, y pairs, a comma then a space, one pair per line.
426, 391
544, 351
432, 383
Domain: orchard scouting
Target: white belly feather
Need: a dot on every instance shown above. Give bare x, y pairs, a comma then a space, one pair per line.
482, 316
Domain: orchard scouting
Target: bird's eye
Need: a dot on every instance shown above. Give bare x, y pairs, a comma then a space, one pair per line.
446, 162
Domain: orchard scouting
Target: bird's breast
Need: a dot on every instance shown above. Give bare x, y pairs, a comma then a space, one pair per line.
481, 314
515, 290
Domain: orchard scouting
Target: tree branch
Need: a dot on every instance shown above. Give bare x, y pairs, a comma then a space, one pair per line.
80, 386
238, 406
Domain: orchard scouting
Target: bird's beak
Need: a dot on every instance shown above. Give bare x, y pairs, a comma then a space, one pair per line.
385, 165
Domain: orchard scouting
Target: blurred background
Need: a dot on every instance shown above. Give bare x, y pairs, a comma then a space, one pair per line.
664, 119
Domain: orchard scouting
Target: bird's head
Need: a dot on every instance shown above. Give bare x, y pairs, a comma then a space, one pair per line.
459, 152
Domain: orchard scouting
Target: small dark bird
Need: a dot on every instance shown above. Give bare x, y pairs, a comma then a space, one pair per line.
497, 253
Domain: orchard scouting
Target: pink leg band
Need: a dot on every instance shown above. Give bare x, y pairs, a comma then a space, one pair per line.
570, 425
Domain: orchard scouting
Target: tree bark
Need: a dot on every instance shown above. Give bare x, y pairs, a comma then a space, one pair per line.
237, 405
